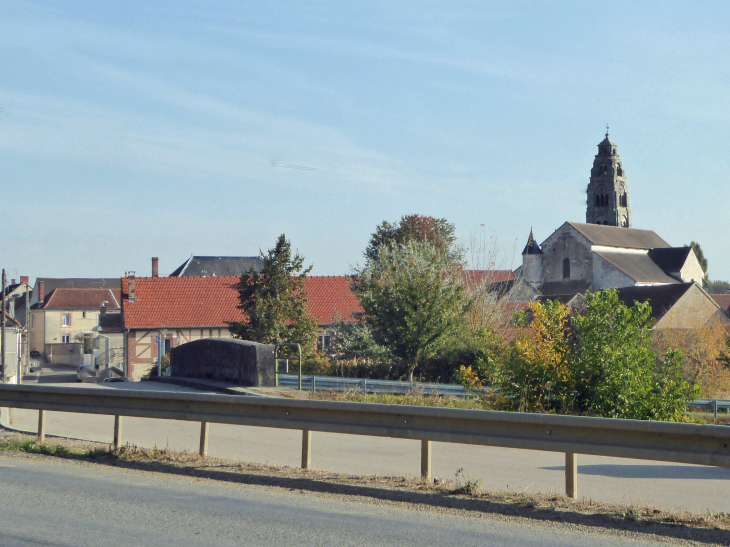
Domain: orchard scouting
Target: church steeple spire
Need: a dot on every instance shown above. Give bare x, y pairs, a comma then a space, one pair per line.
607, 193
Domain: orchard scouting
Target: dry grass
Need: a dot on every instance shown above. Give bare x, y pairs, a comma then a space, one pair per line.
414, 398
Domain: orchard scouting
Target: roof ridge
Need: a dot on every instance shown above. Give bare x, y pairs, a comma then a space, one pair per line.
224, 256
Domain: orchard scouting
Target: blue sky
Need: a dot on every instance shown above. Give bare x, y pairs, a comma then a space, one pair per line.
139, 129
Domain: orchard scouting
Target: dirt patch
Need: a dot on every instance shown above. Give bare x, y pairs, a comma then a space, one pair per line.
462, 494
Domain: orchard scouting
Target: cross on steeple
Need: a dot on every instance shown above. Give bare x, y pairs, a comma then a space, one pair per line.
607, 130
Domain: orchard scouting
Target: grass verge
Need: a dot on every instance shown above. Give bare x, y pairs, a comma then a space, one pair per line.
414, 398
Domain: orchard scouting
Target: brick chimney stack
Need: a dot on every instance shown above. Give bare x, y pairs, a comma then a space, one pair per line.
24, 279
130, 278
155, 262
41, 291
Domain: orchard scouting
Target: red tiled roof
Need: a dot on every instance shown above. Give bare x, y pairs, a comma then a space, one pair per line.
722, 300
180, 302
82, 299
330, 298
193, 302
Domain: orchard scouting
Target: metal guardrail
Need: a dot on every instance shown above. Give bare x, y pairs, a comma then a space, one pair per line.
660, 441
712, 404
333, 383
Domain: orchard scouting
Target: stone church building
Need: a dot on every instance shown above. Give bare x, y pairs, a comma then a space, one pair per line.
605, 251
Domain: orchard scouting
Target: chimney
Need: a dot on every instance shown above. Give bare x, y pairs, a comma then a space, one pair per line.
24, 279
155, 261
41, 291
12, 281
130, 278
102, 309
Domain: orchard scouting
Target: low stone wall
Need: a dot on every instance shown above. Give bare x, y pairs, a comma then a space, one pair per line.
225, 360
71, 355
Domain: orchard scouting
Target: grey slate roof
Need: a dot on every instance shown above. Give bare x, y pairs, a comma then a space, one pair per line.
638, 266
50, 284
670, 260
218, 266
613, 236
111, 322
556, 288
532, 248
660, 297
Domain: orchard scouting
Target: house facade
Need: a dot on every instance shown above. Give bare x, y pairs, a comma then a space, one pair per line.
62, 317
177, 310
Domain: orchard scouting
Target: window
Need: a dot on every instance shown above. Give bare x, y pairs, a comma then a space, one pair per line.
566, 268
325, 341
65, 338
66, 320
32, 321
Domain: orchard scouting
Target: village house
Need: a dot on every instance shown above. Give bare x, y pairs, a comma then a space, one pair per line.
60, 320
183, 309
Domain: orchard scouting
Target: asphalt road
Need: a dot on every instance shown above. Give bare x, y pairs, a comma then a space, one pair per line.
58, 504
663, 485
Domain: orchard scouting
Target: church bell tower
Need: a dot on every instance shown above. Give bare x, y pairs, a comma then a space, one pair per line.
607, 193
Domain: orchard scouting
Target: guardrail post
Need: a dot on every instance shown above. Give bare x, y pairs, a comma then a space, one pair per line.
117, 432
306, 449
714, 407
571, 474
41, 426
204, 427
313, 381
426, 460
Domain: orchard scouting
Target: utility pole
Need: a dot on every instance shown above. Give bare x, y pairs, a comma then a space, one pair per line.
27, 327
2, 334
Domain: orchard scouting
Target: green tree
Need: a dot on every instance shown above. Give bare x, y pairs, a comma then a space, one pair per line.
615, 370
413, 299
598, 362
718, 287
437, 231
539, 376
274, 301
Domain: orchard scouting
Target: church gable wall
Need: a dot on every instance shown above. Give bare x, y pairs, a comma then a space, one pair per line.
608, 276
566, 242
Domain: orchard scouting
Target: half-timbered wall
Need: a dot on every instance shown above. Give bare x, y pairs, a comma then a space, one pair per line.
142, 345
